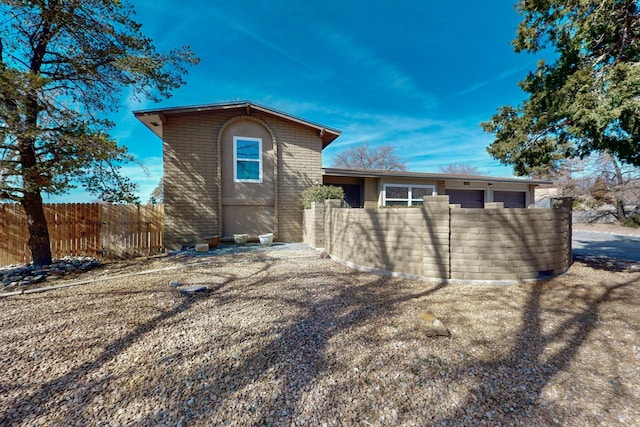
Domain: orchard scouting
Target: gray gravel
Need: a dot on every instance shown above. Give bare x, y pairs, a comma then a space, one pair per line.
284, 337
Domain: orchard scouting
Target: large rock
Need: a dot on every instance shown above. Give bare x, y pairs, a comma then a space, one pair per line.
431, 325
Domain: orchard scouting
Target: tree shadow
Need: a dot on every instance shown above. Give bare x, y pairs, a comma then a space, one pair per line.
296, 357
621, 248
539, 353
35, 402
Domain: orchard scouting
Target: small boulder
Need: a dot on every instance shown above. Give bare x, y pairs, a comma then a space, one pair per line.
174, 283
193, 289
431, 325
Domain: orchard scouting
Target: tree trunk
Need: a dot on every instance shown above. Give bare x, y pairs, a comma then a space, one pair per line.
38, 232
620, 214
619, 184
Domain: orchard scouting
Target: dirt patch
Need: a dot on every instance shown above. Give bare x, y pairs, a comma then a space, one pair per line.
290, 338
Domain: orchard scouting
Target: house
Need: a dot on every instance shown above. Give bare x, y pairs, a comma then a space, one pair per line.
240, 167
371, 189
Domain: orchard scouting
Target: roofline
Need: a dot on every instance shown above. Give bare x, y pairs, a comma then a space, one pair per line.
371, 173
327, 134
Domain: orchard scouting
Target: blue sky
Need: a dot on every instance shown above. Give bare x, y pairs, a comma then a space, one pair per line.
418, 75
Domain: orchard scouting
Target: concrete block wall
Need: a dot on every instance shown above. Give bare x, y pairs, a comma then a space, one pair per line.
509, 244
436, 256
192, 170
299, 167
313, 233
444, 241
385, 239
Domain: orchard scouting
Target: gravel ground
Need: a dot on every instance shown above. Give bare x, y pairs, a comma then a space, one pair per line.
285, 337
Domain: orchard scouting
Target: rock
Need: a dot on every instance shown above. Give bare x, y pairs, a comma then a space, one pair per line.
202, 247
39, 278
174, 283
431, 325
193, 289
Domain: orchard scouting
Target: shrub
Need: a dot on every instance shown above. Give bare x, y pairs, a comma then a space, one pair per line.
633, 221
319, 193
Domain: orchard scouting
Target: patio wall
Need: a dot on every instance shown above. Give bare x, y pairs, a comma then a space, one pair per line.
443, 241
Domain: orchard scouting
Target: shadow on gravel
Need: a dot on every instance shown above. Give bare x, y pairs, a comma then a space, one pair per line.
538, 354
298, 352
297, 356
35, 404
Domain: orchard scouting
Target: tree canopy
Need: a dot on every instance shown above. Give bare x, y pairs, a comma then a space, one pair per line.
587, 100
63, 65
366, 157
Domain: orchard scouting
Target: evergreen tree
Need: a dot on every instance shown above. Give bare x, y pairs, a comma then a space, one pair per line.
585, 101
63, 64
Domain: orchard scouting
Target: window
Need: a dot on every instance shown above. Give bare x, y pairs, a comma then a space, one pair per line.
406, 195
247, 159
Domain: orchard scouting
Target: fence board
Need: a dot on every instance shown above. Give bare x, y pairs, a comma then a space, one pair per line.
85, 229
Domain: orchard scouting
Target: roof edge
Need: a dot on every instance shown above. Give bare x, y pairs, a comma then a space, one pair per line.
327, 134
374, 173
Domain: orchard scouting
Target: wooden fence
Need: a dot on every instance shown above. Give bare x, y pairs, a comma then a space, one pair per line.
85, 229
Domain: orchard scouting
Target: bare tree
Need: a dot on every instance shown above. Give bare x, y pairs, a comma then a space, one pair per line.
460, 169
157, 195
365, 157
600, 179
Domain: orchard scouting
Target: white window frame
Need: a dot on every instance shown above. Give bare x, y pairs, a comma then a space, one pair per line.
410, 188
236, 159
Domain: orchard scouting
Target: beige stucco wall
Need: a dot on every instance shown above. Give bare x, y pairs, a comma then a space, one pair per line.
193, 166
444, 242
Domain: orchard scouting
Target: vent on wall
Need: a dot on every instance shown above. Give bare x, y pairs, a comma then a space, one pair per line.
545, 273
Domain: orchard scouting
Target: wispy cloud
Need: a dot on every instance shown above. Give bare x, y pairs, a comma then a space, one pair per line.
425, 144
363, 68
502, 76
248, 30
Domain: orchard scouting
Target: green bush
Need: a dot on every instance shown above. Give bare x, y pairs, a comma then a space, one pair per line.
319, 193
633, 221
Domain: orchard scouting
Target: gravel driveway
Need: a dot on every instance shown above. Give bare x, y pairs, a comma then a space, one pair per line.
288, 338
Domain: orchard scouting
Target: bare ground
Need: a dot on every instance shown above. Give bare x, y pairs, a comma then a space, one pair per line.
288, 338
